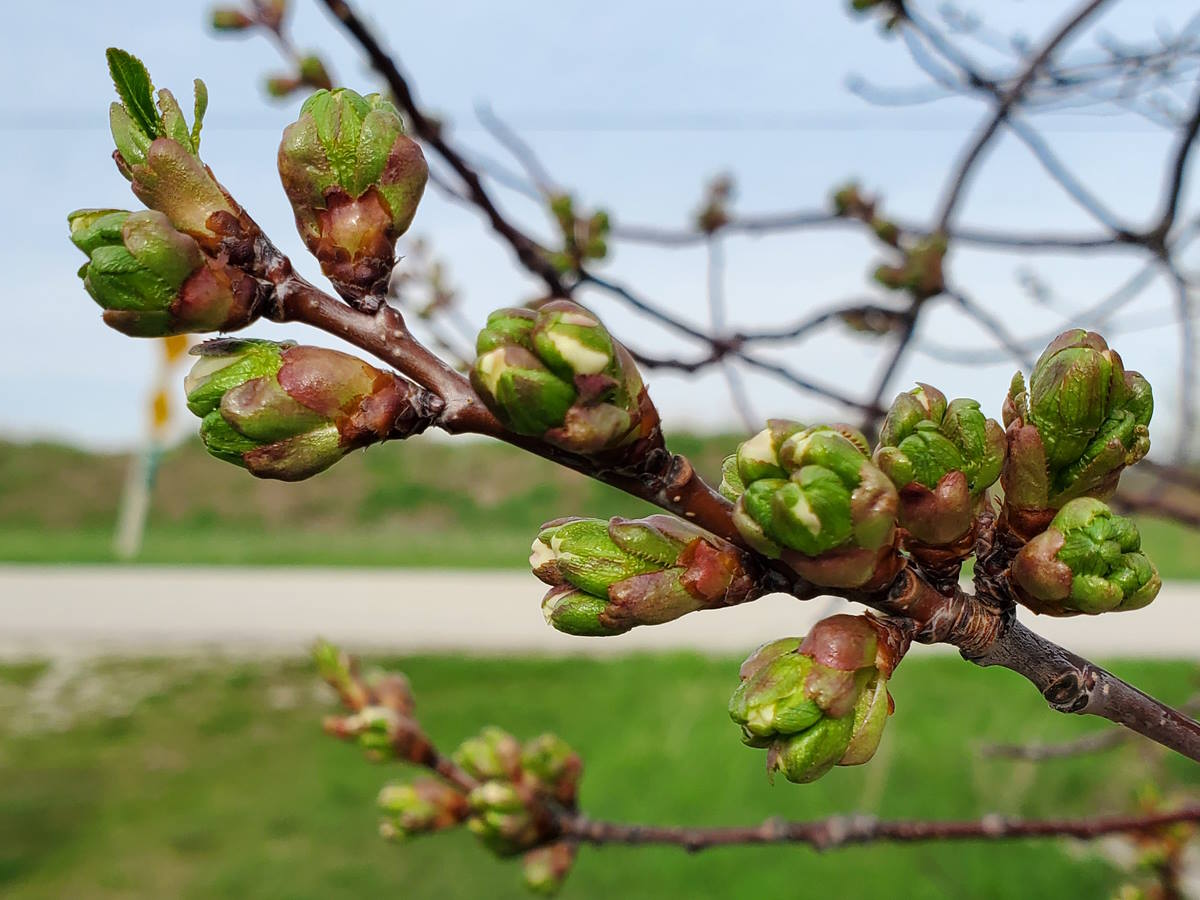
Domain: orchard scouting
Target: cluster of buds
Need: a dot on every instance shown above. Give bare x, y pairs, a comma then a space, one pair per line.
558, 375
608, 577
942, 457
920, 271
159, 153
849, 202
1088, 561
289, 412
1072, 430
508, 794
517, 786
354, 180
812, 496
381, 709
152, 280
818, 701
583, 239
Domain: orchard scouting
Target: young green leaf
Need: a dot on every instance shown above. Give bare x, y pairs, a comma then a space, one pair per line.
135, 89
200, 107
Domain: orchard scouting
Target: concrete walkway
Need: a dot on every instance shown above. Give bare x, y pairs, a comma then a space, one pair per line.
73, 610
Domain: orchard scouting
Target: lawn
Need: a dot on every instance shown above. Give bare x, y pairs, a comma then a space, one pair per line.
209, 778
424, 503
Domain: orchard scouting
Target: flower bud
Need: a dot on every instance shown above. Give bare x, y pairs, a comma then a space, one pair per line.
154, 281
812, 494
557, 374
492, 754
608, 577
354, 180
420, 807
546, 868
1081, 420
1088, 561
224, 18
289, 412
502, 818
159, 153
553, 766
943, 457
816, 702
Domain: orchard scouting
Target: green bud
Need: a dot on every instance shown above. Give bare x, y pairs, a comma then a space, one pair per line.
502, 819
354, 180
558, 375
608, 577
229, 19
1088, 561
289, 412
420, 807
554, 767
153, 281
1080, 421
943, 457
814, 491
313, 72
492, 754
546, 868
815, 702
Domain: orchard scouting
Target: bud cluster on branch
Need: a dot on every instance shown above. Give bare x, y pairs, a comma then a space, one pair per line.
805, 508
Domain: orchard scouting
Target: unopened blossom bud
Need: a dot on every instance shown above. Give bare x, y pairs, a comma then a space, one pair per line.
338, 669
1088, 561
159, 153
229, 19
943, 457
154, 281
557, 374
383, 733
546, 868
502, 817
391, 690
818, 701
420, 807
553, 766
289, 412
354, 180
1080, 421
610, 576
313, 72
814, 492
492, 754
920, 272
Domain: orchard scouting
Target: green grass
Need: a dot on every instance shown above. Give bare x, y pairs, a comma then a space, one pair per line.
199, 780
422, 503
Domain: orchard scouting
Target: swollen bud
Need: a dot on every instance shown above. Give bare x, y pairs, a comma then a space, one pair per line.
1088, 561
943, 457
1080, 421
546, 868
818, 701
558, 375
608, 577
354, 181
813, 496
423, 806
289, 412
492, 754
153, 280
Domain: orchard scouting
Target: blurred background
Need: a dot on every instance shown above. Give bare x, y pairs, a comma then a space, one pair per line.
158, 722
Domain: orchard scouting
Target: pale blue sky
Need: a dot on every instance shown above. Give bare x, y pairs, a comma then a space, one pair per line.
633, 105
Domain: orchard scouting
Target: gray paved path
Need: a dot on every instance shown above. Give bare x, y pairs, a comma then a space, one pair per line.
84, 609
